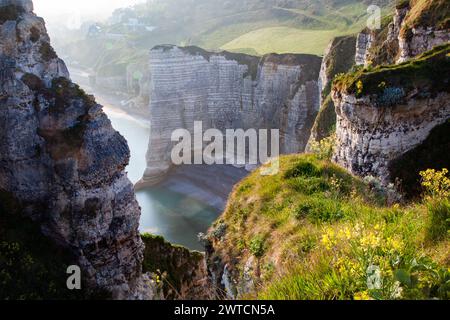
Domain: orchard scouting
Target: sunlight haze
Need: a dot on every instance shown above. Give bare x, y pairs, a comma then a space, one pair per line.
99, 8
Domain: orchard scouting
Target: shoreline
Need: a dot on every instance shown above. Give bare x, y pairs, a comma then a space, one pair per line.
211, 185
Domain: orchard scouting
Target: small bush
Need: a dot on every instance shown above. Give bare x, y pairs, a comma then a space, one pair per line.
439, 221
47, 52
325, 148
257, 246
436, 183
302, 169
391, 97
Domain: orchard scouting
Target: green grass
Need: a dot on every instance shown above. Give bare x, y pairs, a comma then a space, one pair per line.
428, 73
321, 228
283, 40
253, 27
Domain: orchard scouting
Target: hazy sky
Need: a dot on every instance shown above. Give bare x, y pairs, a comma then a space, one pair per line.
100, 8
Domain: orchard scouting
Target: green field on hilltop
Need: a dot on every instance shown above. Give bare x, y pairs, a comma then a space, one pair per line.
283, 40
253, 27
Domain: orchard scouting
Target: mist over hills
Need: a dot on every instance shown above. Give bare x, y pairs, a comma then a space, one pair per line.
253, 27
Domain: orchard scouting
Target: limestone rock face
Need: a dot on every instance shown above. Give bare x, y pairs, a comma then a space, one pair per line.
61, 158
405, 38
421, 40
228, 91
385, 113
420, 27
370, 137
185, 271
364, 42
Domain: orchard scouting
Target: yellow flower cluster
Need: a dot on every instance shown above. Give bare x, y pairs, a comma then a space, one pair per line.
324, 149
436, 183
359, 87
362, 296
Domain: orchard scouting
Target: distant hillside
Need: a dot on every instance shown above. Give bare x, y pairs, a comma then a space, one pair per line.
253, 26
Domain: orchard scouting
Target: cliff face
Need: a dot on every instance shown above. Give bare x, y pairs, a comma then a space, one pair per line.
61, 159
183, 273
422, 26
379, 119
388, 111
416, 27
228, 91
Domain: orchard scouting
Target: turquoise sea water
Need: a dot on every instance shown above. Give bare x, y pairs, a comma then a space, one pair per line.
175, 216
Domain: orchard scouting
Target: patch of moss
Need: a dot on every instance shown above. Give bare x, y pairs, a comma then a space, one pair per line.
10, 13
325, 123
428, 73
67, 142
47, 52
433, 153
35, 34
33, 82
65, 91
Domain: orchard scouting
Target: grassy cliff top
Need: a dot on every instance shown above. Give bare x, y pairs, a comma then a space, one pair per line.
315, 230
429, 73
427, 13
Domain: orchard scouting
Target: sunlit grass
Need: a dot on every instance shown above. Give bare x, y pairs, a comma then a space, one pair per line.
316, 231
283, 40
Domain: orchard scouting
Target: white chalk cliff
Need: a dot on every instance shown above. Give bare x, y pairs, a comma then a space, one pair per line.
228, 91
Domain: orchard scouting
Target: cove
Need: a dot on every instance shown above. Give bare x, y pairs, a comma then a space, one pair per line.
177, 217
189, 200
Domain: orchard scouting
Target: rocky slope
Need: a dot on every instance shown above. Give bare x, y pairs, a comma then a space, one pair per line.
385, 112
228, 91
61, 162
416, 27
182, 274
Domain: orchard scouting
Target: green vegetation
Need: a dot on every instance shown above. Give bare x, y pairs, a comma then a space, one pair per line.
252, 27
427, 13
428, 73
32, 267
283, 40
340, 59
172, 266
325, 124
47, 52
431, 154
325, 233
10, 13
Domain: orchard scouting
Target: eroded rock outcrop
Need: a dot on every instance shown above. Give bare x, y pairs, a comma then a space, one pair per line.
423, 25
228, 91
416, 27
388, 111
61, 160
182, 274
